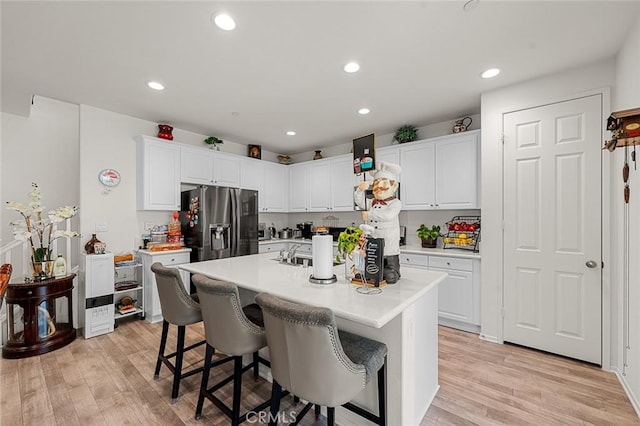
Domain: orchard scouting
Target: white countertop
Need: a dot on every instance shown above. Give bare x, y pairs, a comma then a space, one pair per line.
411, 249
158, 252
260, 273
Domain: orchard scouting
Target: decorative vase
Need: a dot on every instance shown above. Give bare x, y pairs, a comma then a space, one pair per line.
349, 267
164, 131
318, 155
90, 247
42, 270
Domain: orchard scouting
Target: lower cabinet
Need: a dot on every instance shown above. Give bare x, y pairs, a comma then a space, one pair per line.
152, 308
458, 294
272, 247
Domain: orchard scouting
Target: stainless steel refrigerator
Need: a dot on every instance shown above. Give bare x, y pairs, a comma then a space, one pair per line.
219, 222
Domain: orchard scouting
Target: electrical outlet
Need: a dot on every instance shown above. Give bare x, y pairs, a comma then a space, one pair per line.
102, 227
148, 226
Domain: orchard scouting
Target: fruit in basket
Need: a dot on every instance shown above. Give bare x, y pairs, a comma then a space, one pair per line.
472, 227
463, 226
456, 227
451, 225
463, 236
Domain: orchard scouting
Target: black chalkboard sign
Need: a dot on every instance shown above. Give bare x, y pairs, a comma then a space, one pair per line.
364, 159
374, 248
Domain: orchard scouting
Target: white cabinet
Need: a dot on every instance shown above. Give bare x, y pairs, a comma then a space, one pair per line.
270, 180
458, 294
272, 247
96, 294
441, 173
153, 310
158, 174
341, 188
319, 185
206, 167
298, 188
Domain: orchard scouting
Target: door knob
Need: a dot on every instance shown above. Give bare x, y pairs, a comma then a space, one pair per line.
591, 264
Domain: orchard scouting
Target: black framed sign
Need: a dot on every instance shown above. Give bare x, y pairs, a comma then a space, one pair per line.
364, 159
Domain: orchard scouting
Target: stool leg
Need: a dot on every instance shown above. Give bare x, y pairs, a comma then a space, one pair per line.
163, 343
205, 380
331, 416
317, 411
237, 386
276, 394
256, 366
178, 367
382, 394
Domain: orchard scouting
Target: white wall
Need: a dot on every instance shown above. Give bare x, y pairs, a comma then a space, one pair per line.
493, 105
41, 148
626, 95
424, 132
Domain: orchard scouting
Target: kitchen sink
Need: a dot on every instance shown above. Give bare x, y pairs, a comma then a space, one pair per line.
301, 260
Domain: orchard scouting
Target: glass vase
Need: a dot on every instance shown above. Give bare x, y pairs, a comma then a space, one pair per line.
42, 270
90, 247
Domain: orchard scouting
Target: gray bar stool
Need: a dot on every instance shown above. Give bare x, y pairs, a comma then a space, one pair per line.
234, 330
315, 361
181, 309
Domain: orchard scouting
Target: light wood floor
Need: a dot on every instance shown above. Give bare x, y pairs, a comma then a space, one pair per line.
109, 380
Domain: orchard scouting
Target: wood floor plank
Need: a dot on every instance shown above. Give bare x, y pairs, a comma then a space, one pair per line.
108, 380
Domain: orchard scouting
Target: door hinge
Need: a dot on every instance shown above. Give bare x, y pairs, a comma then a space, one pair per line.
502, 138
603, 264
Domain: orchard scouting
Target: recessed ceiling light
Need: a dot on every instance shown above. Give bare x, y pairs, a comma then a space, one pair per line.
235, 113
155, 85
491, 72
291, 133
351, 67
224, 21
363, 111
470, 5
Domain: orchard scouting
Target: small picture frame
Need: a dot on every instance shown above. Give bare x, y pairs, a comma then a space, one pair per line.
255, 151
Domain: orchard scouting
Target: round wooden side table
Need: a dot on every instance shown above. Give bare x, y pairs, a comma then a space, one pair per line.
40, 315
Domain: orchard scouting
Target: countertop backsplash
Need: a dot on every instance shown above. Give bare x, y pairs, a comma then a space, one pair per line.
411, 219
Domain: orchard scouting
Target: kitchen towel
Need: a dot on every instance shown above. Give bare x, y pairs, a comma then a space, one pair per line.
322, 253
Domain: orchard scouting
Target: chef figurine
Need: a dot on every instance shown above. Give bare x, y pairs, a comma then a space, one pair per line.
381, 215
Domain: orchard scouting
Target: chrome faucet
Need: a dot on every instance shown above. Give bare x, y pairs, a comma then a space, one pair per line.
292, 252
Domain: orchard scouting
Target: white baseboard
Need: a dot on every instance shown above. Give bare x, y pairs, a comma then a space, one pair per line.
492, 339
627, 389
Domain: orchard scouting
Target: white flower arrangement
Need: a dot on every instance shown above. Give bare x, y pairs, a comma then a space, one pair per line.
40, 233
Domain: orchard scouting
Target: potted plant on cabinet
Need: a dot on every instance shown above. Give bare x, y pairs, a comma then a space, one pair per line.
406, 133
429, 236
213, 141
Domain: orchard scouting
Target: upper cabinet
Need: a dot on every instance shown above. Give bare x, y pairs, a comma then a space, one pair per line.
158, 174
270, 180
206, 167
322, 185
341, 188
441, 173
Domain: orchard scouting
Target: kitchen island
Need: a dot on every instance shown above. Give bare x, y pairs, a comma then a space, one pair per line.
404, 316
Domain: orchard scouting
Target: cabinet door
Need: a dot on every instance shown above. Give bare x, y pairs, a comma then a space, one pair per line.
389, 154
275, 182
418, 176
196, 166
272, 247
319, 186
457, 173
455, 296
341, 184
251, 175
226, 170
99, 275
152, 308
158, 174
298, 188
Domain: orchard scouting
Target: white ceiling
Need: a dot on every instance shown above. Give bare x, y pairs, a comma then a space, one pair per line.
281, 69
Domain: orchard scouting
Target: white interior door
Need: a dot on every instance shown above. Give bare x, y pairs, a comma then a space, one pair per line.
552, 228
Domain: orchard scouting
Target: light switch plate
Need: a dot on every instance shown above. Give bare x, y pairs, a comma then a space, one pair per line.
102, 227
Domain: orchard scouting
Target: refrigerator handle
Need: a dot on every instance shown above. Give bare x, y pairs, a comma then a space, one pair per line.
235, 222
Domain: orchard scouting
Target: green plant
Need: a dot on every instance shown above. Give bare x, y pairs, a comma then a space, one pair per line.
426, 233
212, 140
348, 240
406, 133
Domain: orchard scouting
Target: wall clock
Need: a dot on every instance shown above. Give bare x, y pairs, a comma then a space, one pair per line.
109, 177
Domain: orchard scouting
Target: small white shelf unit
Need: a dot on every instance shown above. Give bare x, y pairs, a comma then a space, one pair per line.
128, 281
